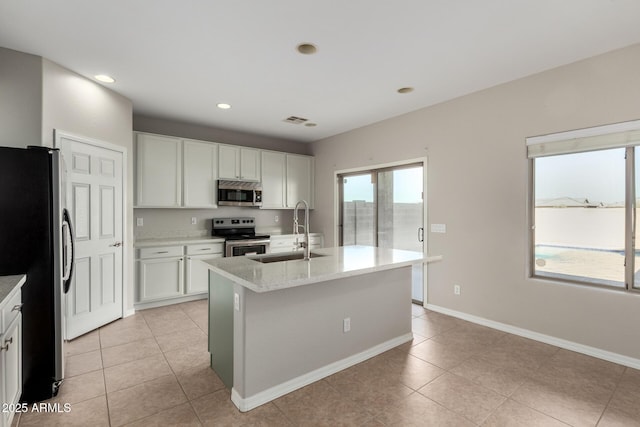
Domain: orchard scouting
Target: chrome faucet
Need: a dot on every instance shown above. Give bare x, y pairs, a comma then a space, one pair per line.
296, 228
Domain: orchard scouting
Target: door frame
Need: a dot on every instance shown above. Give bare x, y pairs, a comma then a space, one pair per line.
57, 143
407, 162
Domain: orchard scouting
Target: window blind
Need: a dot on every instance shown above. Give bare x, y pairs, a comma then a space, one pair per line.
589, 139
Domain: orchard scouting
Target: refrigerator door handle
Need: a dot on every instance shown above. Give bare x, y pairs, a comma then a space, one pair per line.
70, 254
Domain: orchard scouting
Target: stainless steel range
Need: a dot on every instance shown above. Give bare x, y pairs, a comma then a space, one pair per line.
240, 236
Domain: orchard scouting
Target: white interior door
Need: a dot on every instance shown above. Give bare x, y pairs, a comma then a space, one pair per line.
94, 191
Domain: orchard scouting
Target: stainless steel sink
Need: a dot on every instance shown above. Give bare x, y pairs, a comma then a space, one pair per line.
281, 257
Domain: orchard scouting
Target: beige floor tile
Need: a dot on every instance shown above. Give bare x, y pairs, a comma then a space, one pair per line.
502, 380
583, 369
196, 307
193, 356
403, 367
428, 328
516, 352
202, 320
149, 398
418, 310
617, 418
463, 397
419, 411
445, 356
111, 337
199, 381
320, 404
625, 403
216, 409
575, 404
92, 412
131, 322
82, 363
180, 339
181, 415
129, 352
81, 387
173, 321
136, 372
83, 344
469, 337
513, 414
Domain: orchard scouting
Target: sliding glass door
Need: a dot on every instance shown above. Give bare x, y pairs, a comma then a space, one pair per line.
384, 208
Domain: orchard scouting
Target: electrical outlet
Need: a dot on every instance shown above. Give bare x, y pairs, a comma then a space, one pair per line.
456, 289
276, 219
194, 220
236, 302
346, 324
139, 222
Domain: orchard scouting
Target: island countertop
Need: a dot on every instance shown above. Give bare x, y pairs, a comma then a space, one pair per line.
335, 263
9, 283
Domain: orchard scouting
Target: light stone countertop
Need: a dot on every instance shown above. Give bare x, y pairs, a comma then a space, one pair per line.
9, 283
338, 262
173, 241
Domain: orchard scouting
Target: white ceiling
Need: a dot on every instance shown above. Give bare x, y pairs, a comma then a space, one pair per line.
178, 59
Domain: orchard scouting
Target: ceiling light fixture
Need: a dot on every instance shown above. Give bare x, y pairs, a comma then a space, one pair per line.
224, 106
310, 125
407, 89
104, 78
307, 48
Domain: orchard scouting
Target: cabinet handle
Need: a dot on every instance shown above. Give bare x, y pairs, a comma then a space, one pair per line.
163, 252
205, 249
5, 347
17, 307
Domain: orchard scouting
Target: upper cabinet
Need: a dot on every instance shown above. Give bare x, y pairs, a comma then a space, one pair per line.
274, 189
200, 174
238, 163
300, 173
158, 171
183, 173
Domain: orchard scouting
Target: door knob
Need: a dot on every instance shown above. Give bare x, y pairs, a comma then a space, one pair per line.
116, 244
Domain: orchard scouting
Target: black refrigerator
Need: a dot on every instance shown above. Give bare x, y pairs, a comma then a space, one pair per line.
36, 238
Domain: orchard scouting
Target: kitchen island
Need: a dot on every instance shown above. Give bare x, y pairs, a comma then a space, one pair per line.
277, 326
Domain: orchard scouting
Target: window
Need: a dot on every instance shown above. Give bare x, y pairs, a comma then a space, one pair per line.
583, 205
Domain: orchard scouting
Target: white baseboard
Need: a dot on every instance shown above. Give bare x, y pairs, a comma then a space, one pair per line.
169, 301
247, 403
547, 339
129, 312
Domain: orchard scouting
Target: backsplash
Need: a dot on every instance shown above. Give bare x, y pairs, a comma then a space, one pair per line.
168, 223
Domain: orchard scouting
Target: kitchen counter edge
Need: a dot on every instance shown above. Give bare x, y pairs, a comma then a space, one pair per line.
9, 283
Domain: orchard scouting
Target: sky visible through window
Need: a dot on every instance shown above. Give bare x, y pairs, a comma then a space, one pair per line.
598, 176
407, 186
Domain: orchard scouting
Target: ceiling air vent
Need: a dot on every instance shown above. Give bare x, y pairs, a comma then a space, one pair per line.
295, 120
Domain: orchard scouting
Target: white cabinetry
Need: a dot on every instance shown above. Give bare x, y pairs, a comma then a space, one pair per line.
200, 174
274, 190
239, 163
10, 354
300, 173
171, 273
287, 242
158, 171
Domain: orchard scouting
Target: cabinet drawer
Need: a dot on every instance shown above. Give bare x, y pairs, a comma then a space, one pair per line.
205, 248
315, 240
160, 252
11, 310
281, 243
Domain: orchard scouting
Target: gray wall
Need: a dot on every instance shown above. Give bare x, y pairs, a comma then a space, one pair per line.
20, 98
477, 186
82, 107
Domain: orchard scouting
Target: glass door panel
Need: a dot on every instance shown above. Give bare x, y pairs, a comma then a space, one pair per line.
358, 210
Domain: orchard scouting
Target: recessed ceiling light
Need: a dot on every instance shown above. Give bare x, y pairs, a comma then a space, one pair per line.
104, 78
224, 106
310, 125
407, 89
307, 48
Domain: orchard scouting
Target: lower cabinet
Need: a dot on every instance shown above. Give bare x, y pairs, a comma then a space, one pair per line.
287, 242
10, 358
171, 272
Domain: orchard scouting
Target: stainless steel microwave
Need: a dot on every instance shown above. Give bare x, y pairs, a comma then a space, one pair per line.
239, 193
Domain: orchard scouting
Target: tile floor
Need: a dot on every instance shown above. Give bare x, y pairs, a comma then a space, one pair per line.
151, 369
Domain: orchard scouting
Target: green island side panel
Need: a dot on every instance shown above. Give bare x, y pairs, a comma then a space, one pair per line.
221, 327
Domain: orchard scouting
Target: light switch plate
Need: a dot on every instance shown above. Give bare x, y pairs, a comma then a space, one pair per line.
139, 222
438, 228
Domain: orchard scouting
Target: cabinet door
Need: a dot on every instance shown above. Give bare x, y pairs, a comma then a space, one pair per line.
228, 162
158, 171
273, 180
249, 164
198, 273
200, 174
160, 278
299, 179
11, 364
